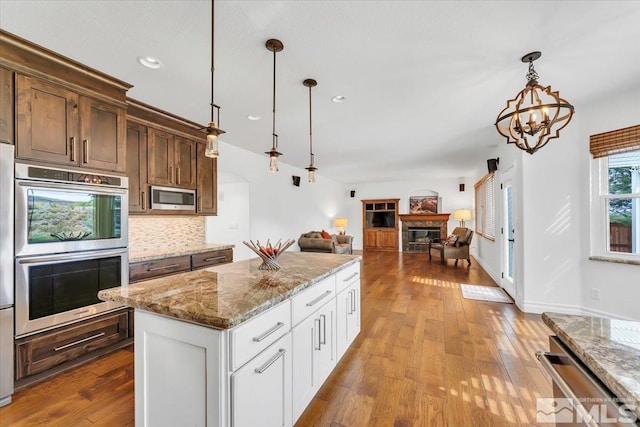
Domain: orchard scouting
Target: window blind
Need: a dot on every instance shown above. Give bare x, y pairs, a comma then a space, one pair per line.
614, 142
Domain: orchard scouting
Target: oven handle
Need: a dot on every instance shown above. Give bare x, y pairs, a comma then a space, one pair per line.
92, 188
71, 256
565, 389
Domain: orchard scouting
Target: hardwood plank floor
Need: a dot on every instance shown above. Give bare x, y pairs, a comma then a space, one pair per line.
425, 357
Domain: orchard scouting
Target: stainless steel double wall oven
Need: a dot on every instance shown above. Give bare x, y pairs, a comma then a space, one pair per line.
70, 242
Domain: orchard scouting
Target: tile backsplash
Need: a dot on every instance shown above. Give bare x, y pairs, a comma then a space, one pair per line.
158, 232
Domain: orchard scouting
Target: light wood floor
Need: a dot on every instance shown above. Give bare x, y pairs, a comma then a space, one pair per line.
425, 357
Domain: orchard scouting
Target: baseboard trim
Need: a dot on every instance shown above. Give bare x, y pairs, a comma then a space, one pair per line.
540, 307
599, 313
495, 276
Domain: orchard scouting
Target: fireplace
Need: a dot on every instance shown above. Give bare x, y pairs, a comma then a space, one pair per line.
419, 229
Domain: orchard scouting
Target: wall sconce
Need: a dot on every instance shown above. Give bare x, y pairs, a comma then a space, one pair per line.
462, 215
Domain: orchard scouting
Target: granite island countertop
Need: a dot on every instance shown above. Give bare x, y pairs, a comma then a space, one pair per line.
168, 252
610, 348
226, 295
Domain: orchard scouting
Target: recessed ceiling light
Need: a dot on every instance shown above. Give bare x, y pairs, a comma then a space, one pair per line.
253, 118
338, 99
150, 62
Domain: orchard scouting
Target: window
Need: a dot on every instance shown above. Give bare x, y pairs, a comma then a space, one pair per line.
615, 208
485, 207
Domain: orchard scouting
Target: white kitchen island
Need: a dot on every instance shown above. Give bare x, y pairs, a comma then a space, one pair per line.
236, 346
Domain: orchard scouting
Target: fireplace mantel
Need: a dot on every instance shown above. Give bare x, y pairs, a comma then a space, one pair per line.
422, 220
425, 217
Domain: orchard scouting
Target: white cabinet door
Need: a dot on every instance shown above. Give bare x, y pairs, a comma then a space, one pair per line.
347, 318
314, 355
261, 389
325, 358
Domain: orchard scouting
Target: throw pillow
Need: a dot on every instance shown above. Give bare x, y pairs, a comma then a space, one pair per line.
451, 240
325, 235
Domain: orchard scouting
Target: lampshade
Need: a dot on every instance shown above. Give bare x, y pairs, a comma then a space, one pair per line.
462, 214
341, 222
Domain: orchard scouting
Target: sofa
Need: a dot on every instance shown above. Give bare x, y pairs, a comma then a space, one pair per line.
335, 244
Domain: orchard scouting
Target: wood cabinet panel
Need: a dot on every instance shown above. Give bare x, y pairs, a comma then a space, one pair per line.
185, 162
7, 105
137, 167
207, 259
103, 135
40, 352
160, 157
47, 121
207, 182
156, 268
380, 224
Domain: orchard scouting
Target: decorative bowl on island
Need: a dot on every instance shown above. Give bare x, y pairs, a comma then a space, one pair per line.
269, 253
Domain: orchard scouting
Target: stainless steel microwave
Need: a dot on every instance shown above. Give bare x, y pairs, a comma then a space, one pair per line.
175, 199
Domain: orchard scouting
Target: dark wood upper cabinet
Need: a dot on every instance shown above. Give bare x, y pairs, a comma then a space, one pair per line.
137, 167
47, 125
57, 125
185, 162
103, 135
7, 108
160, 158
207, 188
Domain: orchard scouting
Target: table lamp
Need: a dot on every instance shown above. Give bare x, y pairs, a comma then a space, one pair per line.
341, 223
462, 215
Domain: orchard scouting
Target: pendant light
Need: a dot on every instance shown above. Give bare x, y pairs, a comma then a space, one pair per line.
212, 127
274, 46
312, 169
536, 115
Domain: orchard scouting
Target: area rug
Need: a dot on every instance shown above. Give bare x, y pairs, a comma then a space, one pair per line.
485, 293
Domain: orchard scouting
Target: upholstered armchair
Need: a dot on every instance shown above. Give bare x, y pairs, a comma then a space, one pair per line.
314, 242
455, 246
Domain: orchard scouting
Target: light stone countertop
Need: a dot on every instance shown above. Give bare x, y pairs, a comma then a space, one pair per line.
168, 252
226, 295
610, 348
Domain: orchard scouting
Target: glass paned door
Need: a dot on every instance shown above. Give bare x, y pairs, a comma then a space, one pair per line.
508, 238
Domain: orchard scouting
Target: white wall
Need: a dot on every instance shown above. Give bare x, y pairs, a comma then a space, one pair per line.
447, 190
619, 284
277, 208
552, 208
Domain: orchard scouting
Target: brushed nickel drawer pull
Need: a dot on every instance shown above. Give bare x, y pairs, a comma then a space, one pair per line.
215, 258
353, 301
324, 329
162, 268
268, 332
271, 361
144, 202
350, 307
319, 339
317, 300
79, 341
350, 277
178, 174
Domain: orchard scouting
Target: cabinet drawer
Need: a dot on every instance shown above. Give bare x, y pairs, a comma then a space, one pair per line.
40, 352
347, 276
149, 269
308, 301
207, 259
255, 335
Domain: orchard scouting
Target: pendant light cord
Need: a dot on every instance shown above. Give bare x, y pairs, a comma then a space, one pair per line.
275, 139
310, 130
212, 54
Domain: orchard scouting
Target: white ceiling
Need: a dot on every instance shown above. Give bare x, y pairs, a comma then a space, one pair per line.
424, 80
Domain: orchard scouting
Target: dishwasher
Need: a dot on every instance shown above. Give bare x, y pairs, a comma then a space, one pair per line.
579, 397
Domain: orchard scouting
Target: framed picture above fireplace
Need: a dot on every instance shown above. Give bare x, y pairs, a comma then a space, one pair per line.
423, 204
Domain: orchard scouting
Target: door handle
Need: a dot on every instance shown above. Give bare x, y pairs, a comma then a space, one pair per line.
85, 151
319, 341
144, 202
511, 240
72, 148
178, 175
324, 329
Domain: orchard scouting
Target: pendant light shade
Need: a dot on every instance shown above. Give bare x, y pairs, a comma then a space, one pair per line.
213, 130
312, 169
536, 114
274, 46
